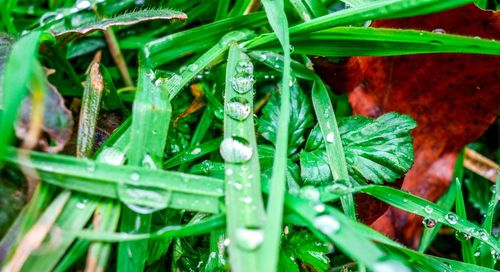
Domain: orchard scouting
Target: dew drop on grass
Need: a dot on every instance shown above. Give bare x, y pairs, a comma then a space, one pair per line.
244, 67
135, 176
143, 199
451, 218
327, 224
242, 84
429, 222
439, 31
246, 200
235, 150
82, 203
91, 166
390, 266
483, 235
319, 208
330, 137
249, 238
462, 236
310, 192
111, 155
193, 67
238, 108
196, 151
477, 253
428, 209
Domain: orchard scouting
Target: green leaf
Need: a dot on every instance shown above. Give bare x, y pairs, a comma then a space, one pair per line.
301, 118
303, 246
377, 150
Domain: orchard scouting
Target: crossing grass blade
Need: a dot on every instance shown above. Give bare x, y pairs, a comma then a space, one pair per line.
73, 174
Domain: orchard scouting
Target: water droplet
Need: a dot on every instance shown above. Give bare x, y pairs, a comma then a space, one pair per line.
493, 188
483, 235
244, 67
82, 203
319, 208
428, 209
229, 172
451, 218
327, 224
219, 113
81, 5
90, 166
226, 242
246, 200
390, 266
429, 222
477, 253
111, 155
439, 31
196, 151
238, 108
462, 236
249, 238
193, 67
135, 176
242, 84
148, 162
235, 150
292, 48
142, 198
330, 137
310, 192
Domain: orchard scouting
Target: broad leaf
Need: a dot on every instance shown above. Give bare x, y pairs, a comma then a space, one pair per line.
301, 118
377, 150
303, 247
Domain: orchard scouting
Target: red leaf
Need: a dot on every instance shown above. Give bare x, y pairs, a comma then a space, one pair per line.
453, 98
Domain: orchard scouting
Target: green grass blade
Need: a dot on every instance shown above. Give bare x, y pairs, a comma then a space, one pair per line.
103, 180
467, 252
148, 133
192, 153
245, 207
335, 152
203, 227
272, 231
446, 202
77, 251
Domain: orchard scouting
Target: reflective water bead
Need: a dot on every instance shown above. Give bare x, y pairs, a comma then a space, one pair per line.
242, 84
310, 192
439, 31
244, 67
429, 222
451, 218
236, 150
238, 108
428, 209
330, 137
327, 224
249, 238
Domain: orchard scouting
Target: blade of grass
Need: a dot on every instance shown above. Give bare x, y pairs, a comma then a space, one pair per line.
487, 256
445, 202
37, 233
335, 152
272, 231
245, 207
467, 252
148, 133
73, 174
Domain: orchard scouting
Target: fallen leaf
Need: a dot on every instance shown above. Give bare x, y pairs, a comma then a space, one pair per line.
453, 98
57, 121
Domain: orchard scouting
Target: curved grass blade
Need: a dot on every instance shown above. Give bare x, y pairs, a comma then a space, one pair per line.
368, 11
245, 207
131, 18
